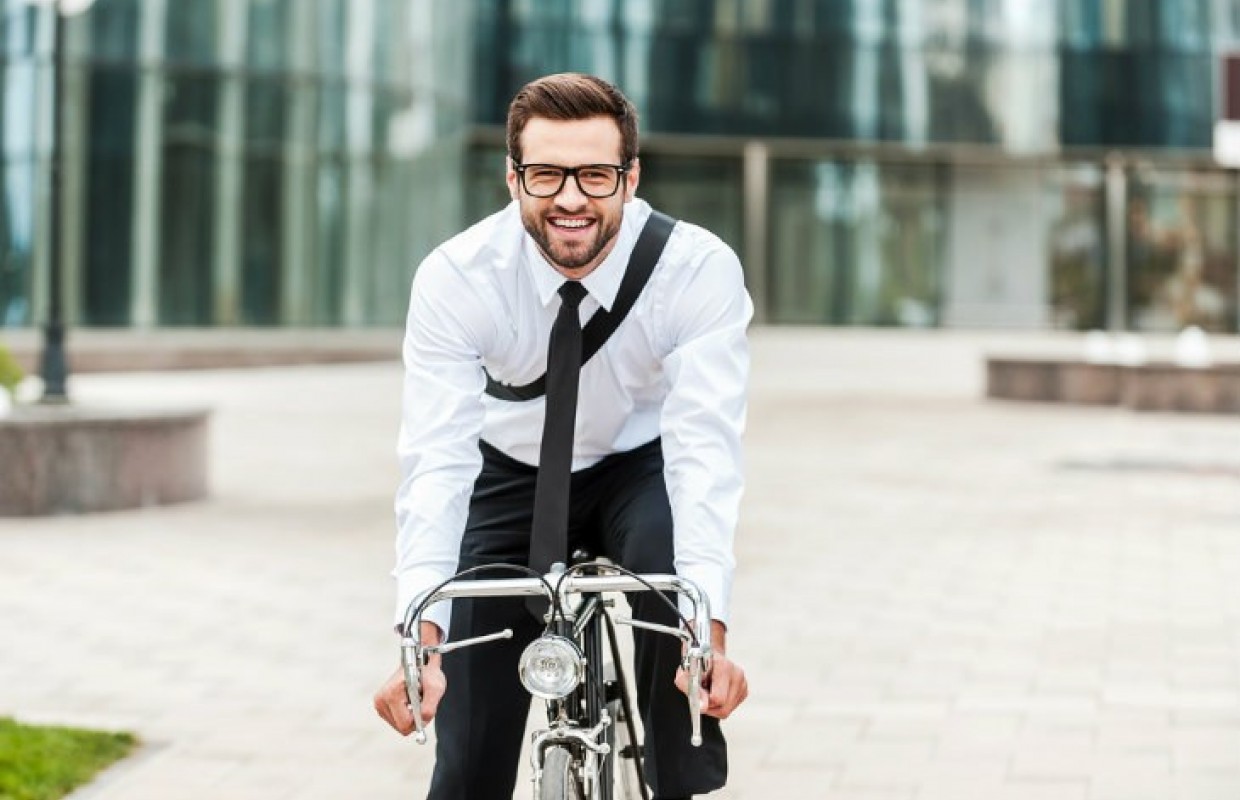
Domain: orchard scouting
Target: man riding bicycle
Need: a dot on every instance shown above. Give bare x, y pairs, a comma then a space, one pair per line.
639, 459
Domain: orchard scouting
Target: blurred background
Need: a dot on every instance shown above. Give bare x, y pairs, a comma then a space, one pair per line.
916, 163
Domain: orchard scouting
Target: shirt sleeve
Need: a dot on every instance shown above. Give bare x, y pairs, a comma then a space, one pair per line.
707, 371
441, 422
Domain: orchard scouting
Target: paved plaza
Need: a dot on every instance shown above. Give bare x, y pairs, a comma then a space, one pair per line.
939, 597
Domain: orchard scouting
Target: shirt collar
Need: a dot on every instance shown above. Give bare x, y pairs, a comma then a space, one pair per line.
603, 283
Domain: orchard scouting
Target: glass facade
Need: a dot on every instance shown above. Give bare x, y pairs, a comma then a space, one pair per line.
932, 162
875, 162
228, 162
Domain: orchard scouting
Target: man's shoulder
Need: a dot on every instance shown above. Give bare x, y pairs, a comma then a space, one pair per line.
691, 244
479, 245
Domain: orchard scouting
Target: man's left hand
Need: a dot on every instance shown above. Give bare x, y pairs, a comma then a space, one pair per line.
724, 687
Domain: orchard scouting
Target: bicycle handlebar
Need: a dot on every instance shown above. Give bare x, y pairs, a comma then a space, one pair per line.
696, 660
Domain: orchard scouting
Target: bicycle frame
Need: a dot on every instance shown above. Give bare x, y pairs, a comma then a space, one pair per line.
578, 721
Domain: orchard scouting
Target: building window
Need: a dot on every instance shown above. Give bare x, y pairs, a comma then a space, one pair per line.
855, 242
1181, 250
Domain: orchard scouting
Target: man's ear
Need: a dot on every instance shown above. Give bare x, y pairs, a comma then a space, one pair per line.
631, 179
510, 177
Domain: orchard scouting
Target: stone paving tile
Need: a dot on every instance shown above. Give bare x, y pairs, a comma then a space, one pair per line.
1217, 786
938, 597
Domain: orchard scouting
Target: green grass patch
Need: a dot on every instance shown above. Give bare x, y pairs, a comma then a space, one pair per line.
46, 763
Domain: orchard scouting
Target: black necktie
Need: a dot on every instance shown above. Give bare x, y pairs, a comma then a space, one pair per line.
549, 537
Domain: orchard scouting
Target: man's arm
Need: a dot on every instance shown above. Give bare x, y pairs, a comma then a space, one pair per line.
703, 419
707, 371
441, 421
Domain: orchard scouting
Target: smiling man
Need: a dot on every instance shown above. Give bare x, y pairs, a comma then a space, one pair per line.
632, 451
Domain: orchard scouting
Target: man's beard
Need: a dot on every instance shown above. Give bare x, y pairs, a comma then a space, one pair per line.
565, 256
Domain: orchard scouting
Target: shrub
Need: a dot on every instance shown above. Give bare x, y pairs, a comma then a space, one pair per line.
11, 372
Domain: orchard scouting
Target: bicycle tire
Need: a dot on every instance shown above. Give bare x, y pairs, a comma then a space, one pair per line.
559, 778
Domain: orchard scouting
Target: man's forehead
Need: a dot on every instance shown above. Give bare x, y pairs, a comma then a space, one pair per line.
584, 141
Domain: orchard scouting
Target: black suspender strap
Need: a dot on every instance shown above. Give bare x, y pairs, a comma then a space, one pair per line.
645, 255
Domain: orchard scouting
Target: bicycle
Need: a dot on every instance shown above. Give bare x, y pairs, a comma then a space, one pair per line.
584, 687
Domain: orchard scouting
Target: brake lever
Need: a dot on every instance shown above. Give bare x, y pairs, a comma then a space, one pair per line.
679, 633
412, 657
448, 647
696, 660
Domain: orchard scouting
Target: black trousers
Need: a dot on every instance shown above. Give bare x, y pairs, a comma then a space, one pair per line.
619, 508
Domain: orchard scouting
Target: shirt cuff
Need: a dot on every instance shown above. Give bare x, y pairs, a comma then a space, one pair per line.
713, 585
414, 583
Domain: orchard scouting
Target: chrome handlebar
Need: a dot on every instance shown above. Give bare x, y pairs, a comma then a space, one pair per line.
696, 661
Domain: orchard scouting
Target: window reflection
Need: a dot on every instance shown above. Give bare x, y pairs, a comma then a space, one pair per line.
18, 174
17, 179
261, 244
327, 275
1181, 251
855, 243
187, 231
1076, 247
268, 31
114, 27
191, 33
487, 192
704, 191
109, 203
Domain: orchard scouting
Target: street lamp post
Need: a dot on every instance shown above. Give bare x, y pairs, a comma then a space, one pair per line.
54, 365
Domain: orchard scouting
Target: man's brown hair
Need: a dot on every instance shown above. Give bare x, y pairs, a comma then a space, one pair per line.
572, 96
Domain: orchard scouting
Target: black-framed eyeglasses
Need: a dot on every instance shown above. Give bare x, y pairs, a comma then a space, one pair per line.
547, 180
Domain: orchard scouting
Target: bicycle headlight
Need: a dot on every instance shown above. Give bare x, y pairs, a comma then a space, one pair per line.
551, 667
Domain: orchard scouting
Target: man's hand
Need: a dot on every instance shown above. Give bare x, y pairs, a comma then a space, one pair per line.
392, 702
724, 687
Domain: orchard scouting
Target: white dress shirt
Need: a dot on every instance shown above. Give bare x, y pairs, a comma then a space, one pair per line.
676, 368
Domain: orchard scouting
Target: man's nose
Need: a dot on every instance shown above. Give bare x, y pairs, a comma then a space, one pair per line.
570, 195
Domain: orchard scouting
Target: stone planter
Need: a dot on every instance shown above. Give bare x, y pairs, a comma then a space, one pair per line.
70, 460
1146, 387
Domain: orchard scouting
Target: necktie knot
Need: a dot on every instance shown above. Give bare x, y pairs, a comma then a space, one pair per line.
572, 293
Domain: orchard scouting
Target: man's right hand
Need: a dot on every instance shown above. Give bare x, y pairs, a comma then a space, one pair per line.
392, 701
393, 704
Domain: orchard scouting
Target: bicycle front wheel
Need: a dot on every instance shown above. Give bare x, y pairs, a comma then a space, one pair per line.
560, 777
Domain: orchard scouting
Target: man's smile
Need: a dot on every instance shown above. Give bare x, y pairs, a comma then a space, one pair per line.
571, 225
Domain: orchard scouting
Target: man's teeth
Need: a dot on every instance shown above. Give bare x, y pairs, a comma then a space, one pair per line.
570, 223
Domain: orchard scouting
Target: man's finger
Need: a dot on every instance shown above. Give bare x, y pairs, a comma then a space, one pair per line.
402, 719
392, 704
740, 690
682, 683
720, 686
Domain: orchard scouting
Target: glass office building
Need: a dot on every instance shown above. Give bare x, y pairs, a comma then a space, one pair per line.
953, 163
